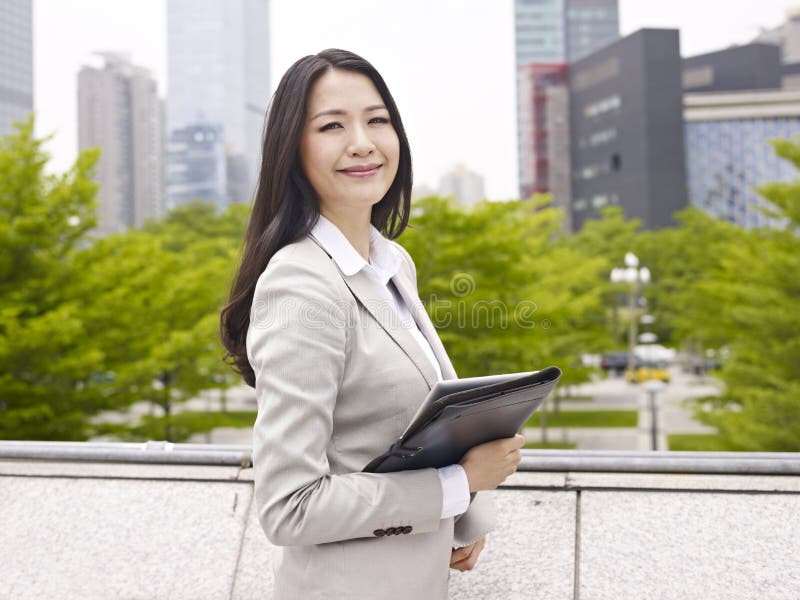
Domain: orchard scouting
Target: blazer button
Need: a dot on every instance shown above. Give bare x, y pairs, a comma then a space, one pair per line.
407, 529
379, 532
391, 530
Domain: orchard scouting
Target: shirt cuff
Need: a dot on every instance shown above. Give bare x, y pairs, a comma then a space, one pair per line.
455, 490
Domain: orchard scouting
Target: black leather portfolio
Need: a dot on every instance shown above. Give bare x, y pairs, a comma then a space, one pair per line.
458, 414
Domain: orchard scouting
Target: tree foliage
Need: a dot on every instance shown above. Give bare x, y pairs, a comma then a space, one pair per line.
89, 324
152, 304
45, 358
749, 298
504, 294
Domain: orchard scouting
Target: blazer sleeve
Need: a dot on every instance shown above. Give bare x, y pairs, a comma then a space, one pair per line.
479, 518
297, 345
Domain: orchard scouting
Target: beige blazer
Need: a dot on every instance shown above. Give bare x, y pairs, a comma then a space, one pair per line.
337, 381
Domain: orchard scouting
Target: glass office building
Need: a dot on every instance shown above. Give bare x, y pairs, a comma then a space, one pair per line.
16, 62
728, 154
562, 31
218, 63
590, 25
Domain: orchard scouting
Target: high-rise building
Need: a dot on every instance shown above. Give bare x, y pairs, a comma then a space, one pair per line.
120, 112
626, 129
728, 154
16, 62
465, 185
590, 25
218, 73
544, 132
550, 34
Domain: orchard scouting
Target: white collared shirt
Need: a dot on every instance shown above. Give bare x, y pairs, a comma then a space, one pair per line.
384, 263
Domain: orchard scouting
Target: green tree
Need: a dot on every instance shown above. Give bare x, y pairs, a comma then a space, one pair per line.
607, 239
47, 364
152, 298
750, 298
681, 258
505, 296
88, 325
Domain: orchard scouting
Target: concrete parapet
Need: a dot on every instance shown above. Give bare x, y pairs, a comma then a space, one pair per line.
572, 525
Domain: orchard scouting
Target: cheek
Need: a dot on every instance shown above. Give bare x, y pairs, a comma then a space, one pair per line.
391, 146
313, 159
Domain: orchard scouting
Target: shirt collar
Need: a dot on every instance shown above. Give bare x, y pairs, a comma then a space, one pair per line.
384, 259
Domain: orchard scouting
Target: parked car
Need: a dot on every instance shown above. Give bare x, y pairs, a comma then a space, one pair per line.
646, 371
615, 362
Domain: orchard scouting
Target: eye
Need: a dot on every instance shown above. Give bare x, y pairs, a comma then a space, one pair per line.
335, 124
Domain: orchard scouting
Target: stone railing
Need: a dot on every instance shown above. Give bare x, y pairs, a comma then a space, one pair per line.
158, 520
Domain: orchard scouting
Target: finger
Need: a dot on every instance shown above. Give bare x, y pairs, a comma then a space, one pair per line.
512, 459
477, 551
464, 551
473, 549
459, 554
462, 565
469, 562
514, 443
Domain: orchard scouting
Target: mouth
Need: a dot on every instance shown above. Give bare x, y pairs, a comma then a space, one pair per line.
362, 171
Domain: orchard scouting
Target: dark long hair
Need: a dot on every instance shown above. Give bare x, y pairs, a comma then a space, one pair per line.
286, 206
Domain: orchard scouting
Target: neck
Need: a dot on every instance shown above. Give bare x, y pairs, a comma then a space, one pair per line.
355, 228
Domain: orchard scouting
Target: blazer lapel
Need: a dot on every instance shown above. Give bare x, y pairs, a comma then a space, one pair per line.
425, 324
365, 290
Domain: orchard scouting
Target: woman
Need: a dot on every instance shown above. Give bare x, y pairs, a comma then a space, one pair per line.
325, 321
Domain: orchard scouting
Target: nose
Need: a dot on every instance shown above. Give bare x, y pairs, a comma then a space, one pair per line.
361, 143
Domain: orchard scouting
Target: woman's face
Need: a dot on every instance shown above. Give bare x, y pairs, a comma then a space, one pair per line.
348, 128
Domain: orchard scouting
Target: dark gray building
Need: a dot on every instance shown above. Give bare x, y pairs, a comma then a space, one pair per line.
751, 67
626, 129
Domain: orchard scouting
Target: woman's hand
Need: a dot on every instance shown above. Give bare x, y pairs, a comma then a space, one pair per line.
487, 465
464, 559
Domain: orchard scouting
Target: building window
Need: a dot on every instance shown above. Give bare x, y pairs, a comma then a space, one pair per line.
698, 77
616, 162
599, 138
608, 104
591, 76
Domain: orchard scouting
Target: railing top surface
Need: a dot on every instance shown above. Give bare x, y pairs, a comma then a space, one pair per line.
742, 463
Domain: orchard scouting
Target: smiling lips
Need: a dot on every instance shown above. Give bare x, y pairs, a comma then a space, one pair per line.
361, 170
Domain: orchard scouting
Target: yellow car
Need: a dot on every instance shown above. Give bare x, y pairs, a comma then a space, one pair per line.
646, 372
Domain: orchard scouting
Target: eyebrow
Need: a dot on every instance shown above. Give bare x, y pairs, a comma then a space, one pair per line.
339, 111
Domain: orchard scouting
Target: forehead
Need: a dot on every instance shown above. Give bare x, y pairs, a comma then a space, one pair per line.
338, 89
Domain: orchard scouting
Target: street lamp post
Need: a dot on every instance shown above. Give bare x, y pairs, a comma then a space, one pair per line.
634, 276
652, 388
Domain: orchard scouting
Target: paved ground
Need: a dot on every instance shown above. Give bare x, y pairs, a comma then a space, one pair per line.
672, 416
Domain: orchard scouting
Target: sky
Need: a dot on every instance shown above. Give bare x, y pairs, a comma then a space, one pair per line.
448, 63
